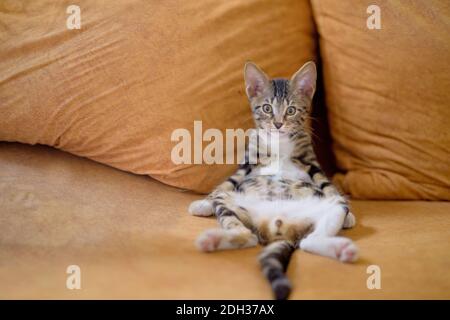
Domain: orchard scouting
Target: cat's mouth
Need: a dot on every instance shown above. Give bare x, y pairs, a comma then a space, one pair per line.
278, 131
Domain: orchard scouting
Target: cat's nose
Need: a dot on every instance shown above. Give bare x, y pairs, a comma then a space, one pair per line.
278, 125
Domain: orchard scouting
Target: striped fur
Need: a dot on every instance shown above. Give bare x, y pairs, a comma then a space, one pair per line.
274, 260
282, 204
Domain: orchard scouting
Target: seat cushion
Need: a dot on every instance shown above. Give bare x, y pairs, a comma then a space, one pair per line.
132, 237
387, 93
115, 90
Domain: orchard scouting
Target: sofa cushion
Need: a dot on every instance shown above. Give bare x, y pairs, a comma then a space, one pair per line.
387, 93
133, 238
115, 90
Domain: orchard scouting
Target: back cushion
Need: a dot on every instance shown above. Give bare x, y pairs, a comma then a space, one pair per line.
115, 90
388, 96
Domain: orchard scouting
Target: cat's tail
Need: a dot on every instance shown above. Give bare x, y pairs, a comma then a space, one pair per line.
274, 260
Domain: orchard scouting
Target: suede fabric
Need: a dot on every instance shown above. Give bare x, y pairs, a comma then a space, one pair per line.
133, 238
387, 94
115, 90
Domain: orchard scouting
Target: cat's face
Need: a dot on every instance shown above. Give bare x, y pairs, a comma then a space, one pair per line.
280, 105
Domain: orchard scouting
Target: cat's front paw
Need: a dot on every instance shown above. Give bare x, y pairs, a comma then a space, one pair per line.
349, 221
201, 208
209, 240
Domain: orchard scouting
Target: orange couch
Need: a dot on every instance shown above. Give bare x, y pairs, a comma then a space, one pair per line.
113, 92
133, 238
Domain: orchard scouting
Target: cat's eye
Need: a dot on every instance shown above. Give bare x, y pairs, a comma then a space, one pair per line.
267, 108
291, 111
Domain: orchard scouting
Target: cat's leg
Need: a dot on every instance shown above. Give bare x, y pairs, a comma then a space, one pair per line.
340, 248
331, 222
328, 189
222, 239
233, 220
204, 207
323, 239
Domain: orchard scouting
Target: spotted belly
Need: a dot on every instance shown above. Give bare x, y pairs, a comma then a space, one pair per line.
274, 187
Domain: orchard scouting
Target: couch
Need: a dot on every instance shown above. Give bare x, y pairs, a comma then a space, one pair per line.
86, 116
132, 238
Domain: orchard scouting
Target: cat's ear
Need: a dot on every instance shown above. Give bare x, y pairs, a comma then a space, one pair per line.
256, 81
303, 82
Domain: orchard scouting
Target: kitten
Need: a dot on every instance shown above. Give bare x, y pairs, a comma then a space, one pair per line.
284, 205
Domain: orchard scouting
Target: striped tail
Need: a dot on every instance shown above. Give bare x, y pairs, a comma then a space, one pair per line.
274, 260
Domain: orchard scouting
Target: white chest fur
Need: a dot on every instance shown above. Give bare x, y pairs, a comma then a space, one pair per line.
280, 163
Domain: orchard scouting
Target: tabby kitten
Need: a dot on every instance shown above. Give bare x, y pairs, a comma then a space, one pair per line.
284, 205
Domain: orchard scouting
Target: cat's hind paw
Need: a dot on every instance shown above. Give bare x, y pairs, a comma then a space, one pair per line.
348, 252
221, 239
209, 240
201, 208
